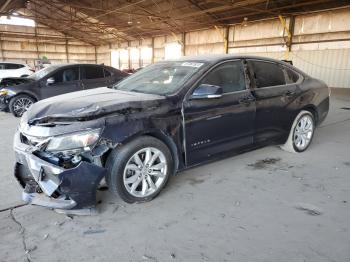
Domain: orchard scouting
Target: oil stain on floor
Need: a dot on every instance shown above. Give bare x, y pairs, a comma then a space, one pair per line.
265, 163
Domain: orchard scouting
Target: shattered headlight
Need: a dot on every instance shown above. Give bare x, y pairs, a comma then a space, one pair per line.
6, 92
80, 140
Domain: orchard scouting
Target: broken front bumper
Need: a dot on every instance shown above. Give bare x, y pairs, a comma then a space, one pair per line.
52, 186
3, 104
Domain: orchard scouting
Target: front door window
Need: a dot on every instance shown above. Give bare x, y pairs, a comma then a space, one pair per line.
229, 76
66, 75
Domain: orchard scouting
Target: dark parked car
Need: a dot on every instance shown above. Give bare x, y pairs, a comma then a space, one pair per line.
170, 116
18, 94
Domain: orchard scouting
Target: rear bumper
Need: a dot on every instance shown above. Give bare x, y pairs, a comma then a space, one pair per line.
322, 111
49, 185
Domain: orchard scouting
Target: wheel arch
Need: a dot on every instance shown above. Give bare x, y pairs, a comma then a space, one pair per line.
26, 94
313, 110
160, 135
310, 108
170, 144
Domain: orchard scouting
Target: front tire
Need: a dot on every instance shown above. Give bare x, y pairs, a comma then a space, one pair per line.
301, 133
20, 104
139, 170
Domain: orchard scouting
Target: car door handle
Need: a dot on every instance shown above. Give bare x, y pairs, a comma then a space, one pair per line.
289, 93
246, 100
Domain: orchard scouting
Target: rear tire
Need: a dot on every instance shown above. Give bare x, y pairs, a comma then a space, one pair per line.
139, 170
301, 133
20, 104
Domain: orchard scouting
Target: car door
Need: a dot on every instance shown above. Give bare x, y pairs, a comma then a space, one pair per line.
93, 76
61, 81
216, 125
274, 96
18, 70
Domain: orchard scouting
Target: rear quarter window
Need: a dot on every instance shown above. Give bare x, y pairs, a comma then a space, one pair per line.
292, 76
107, 73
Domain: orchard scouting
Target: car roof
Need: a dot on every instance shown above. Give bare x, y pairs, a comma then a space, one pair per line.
215, 58
9, 62
74, 64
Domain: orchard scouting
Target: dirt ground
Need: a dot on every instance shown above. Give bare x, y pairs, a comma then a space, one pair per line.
265, 205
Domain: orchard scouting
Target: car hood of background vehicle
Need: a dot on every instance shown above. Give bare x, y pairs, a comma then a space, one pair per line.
90, 104
14, 83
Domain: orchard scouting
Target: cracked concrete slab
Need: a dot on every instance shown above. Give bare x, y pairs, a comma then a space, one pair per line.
11, 246
223, 211
10, 193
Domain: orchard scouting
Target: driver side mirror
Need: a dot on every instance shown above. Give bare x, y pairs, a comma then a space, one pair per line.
50, 81
205, 91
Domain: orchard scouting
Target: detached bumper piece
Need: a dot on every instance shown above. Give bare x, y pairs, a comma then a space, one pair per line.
30, 196
52, 186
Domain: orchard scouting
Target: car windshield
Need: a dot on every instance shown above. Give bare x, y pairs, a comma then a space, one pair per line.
42, 72
163, 78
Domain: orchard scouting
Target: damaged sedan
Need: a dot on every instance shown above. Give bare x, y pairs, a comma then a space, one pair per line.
163, 119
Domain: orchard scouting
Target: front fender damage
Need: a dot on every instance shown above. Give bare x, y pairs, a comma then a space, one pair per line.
80, 172
73, 188
60, 181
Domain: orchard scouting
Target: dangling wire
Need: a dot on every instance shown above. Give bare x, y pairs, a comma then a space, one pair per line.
320, 66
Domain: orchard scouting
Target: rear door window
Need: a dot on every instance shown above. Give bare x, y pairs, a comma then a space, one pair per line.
13, 66
92, 72
267, 74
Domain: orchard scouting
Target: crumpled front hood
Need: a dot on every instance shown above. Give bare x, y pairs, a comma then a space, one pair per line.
15, 83
90, 104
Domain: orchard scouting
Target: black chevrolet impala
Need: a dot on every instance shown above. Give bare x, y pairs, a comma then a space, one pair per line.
165, 118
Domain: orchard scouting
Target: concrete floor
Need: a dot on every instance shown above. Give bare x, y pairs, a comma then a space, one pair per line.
295, 208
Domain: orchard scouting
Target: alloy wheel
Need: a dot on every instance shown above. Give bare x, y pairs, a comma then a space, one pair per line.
145, 172
303, 132
21, 105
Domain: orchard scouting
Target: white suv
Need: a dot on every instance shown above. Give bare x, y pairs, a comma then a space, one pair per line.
11, 69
